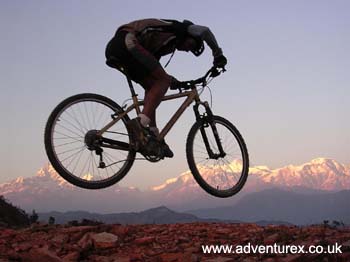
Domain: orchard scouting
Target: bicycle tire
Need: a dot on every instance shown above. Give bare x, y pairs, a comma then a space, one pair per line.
51, 150
194, 167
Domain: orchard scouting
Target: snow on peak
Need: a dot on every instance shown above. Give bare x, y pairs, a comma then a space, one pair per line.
321, 160
319, 173
19, 180
50, 173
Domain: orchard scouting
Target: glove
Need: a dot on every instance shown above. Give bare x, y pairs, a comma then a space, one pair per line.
220, 61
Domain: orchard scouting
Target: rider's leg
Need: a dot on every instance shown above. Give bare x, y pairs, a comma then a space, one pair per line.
145, 69
156, 85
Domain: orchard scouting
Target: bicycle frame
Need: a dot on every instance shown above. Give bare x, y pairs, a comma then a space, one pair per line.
191, 96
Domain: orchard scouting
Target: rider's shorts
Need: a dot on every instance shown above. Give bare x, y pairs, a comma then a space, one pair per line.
138, 61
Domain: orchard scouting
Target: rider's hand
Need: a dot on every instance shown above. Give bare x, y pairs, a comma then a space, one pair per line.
176, 84
220, 61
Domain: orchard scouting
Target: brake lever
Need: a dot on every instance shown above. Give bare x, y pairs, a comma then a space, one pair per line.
215, 71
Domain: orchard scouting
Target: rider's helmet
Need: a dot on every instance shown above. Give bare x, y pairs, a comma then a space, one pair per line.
198, 50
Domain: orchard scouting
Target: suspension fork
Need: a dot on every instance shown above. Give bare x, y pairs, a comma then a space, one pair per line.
206, 120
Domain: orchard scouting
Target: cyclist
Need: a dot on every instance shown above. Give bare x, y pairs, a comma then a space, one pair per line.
138, 47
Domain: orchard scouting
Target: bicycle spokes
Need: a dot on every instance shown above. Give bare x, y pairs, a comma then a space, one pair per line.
78, 147
218, 156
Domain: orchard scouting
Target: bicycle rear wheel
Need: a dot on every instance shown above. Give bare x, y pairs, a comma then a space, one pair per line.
74, 150
220, 174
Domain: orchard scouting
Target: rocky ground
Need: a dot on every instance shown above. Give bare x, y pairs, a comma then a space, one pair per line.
175, 242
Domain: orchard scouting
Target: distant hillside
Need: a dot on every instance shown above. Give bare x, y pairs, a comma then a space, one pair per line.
11, 216
159, 215
281, 205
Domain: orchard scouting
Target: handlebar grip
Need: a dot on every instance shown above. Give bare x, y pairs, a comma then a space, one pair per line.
215, 72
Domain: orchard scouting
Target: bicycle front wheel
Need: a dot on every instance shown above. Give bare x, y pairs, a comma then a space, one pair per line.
74, 149
217, 157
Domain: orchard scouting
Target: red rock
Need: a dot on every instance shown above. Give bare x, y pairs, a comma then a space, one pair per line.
171, 257
183, 239
144, 240
123, 258
85, 242
153, 252
220, 259
72, 257
60, 239
120, 231
293, 258
7, 233
96, 258
181, 242
344, 257
104, 240
22, 247
272, 239
43, 253
70, 230
193, 249
346, 244
136, 257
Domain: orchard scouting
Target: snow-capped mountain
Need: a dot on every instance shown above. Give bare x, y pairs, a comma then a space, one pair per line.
319, 174
47, 191
46, 179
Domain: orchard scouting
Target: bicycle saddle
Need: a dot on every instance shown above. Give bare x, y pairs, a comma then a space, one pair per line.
115, 63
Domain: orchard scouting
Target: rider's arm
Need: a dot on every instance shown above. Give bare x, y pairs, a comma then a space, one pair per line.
205, 33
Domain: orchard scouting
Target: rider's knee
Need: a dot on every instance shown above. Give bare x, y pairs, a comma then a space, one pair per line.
157, 78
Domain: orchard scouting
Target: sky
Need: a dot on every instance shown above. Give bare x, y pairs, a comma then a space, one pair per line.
286, 87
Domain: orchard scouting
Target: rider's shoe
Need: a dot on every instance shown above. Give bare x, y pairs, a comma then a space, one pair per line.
138, 133
164, 146
166, 149
142, 135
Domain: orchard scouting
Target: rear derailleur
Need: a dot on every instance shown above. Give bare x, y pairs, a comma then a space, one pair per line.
93, 143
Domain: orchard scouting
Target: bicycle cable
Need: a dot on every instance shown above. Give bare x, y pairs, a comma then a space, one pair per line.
170, 59
211, 97
124, 102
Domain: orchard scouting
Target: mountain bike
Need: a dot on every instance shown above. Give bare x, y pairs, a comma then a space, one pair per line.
88, 142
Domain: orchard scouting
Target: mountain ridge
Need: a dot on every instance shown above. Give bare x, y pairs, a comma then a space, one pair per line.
156, 215
47, 191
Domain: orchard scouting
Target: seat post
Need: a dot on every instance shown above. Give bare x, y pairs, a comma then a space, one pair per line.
133, 95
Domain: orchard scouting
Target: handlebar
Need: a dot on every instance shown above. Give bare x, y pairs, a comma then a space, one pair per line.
212, 73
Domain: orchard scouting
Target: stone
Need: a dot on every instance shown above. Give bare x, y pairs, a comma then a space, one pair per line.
85, 242
60, 239
72, 257
144, 240
23, 247
156, 243
43, 253
346, 244
171, 257
104, 240
272, 239
120, 231
220, 259
4, 233
292, 258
